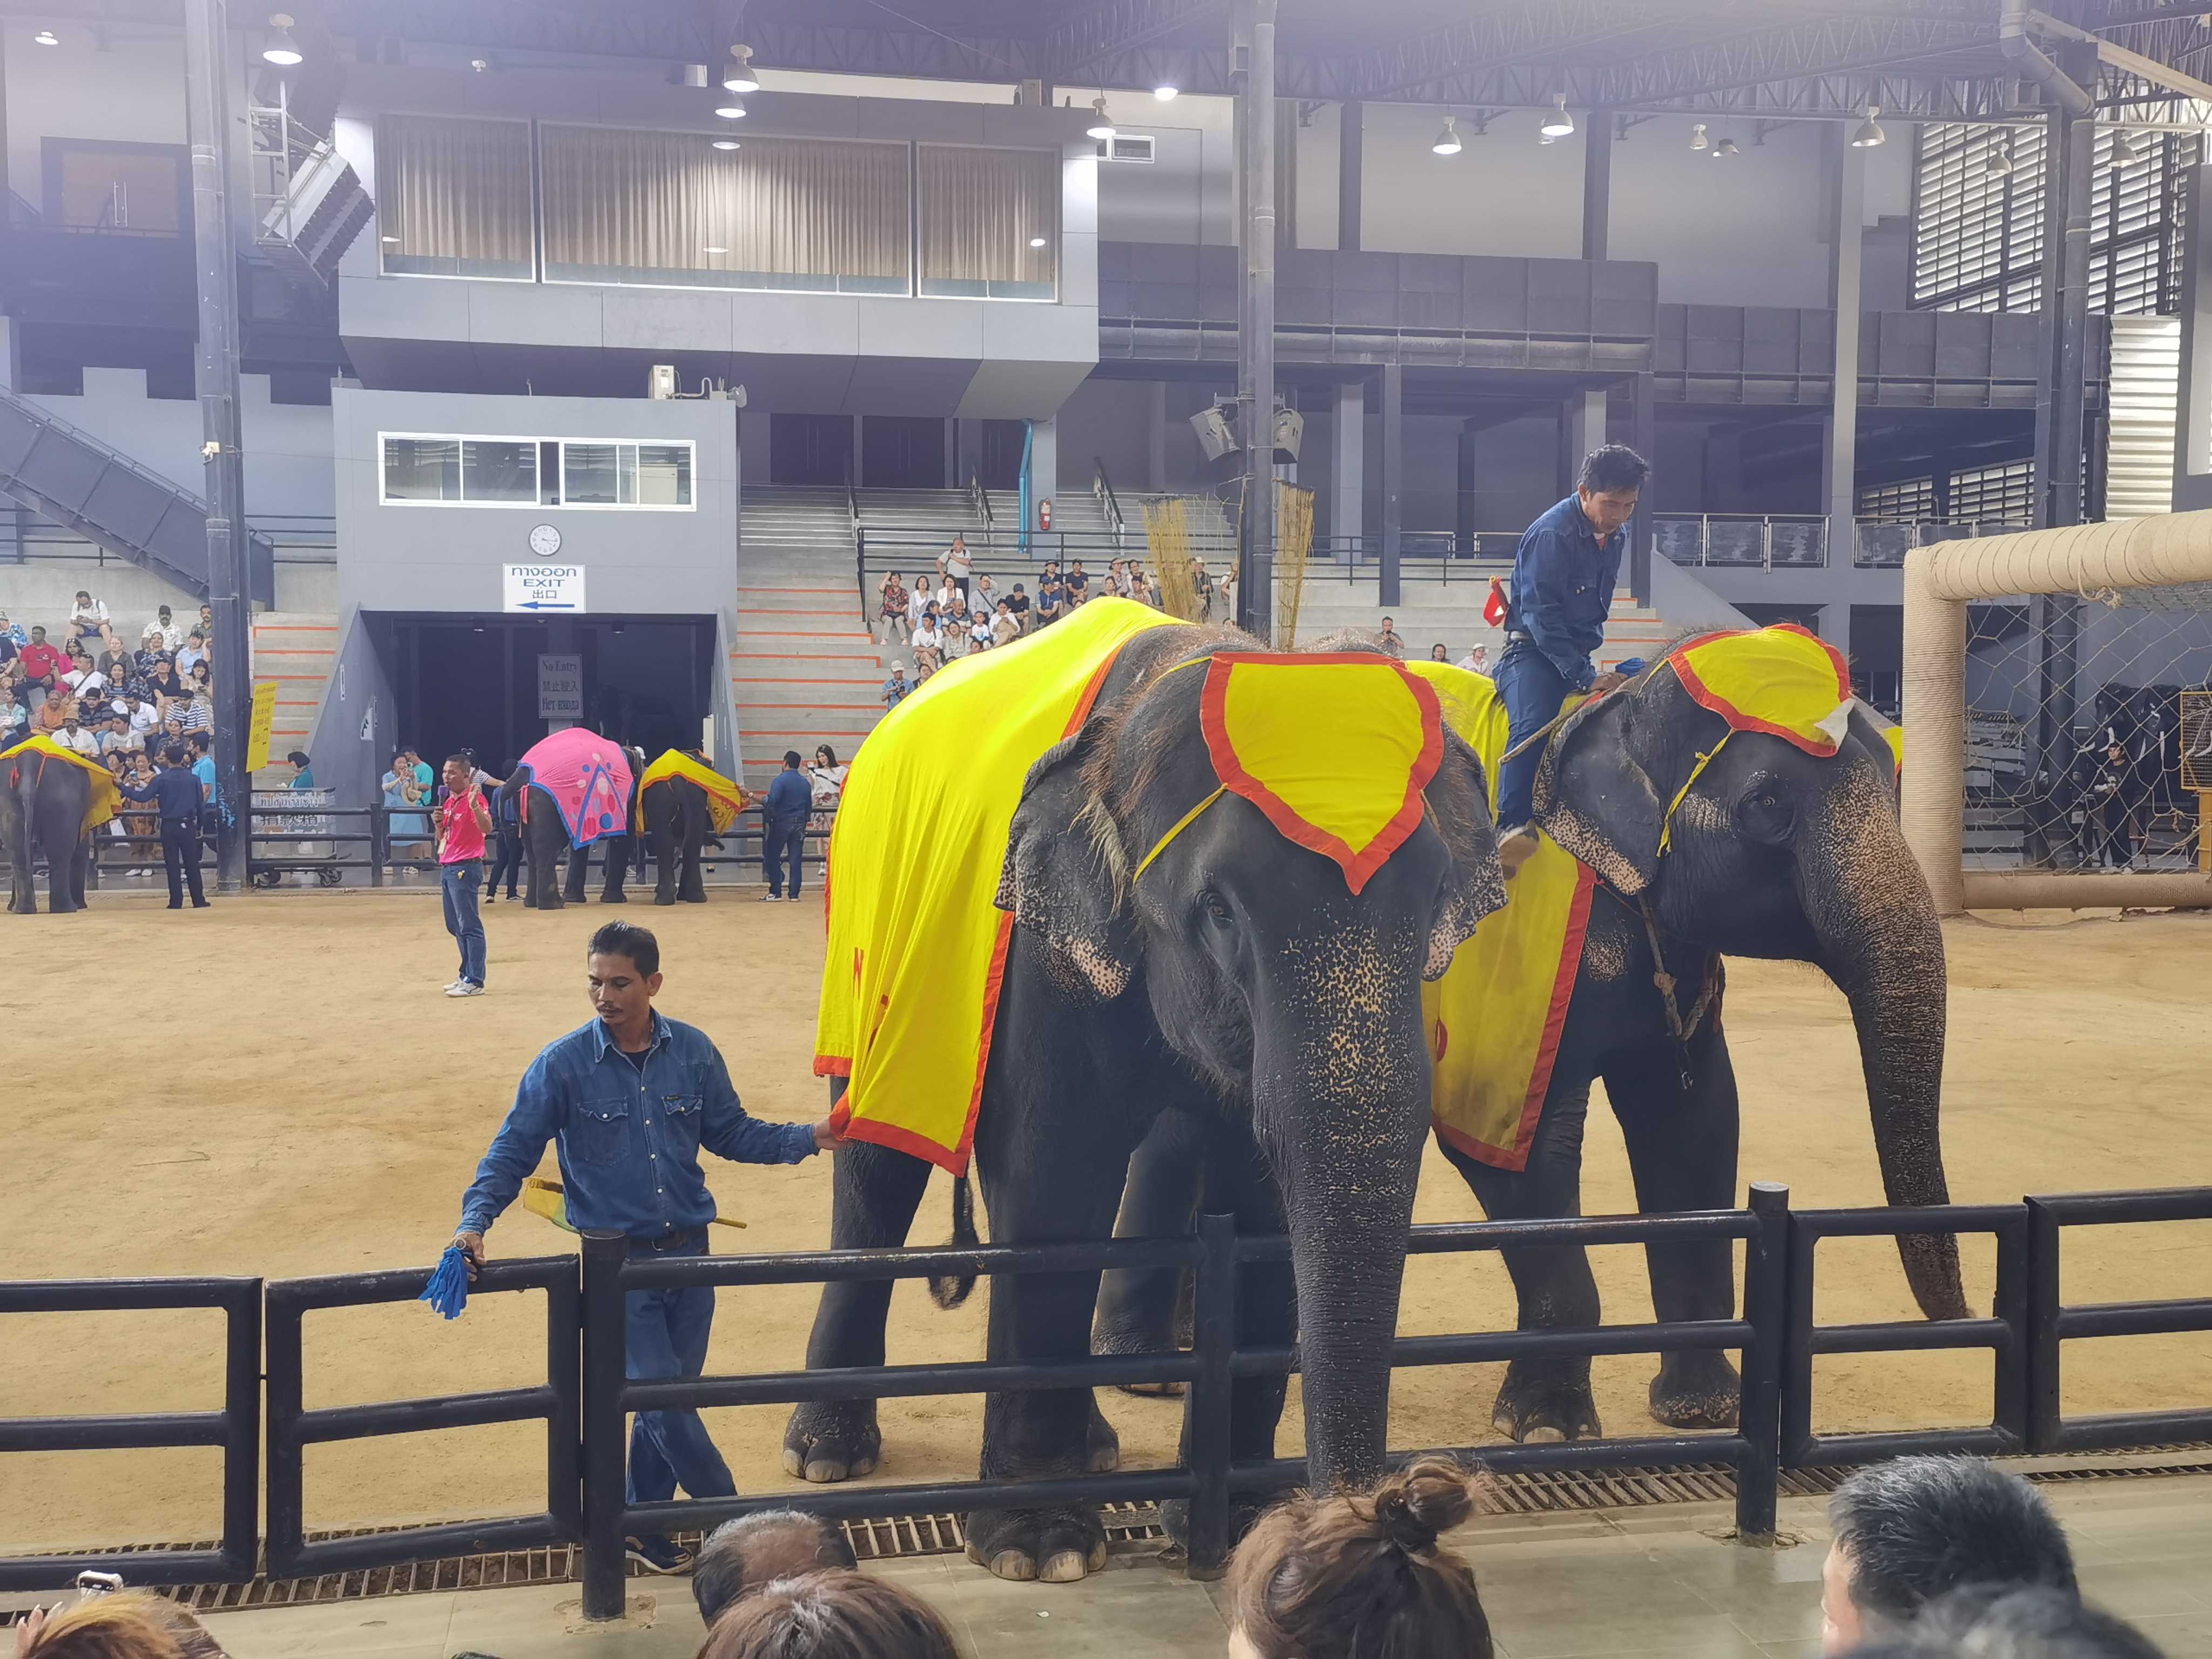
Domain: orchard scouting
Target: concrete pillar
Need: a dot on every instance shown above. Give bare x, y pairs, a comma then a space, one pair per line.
1347, 501
1394, 476
1836, 625
1156, 456
1349, 147
952, 478
1839, 456
969, 451
1597, 181
11, 356
755, 462
1463, 524
1642, 438
1582, 428
1044, 467
859, 449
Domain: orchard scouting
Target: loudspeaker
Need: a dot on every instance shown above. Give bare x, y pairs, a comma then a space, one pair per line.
1215, 435
1290, 433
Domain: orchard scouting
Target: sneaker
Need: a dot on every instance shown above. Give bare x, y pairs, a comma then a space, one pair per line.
655, 1554
464, 987
771, 898
1516, 846
451, 986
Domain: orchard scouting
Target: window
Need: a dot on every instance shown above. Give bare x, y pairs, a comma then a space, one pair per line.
2000, 494
989, 222
468, 471
453, 197
1125, 147
1906, 501
117, 189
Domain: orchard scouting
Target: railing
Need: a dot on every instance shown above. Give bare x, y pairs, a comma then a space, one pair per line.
905, 548
979, 502
294, 538
1882, 544
1749, 541
1433, 556
586, 1394
1109, 506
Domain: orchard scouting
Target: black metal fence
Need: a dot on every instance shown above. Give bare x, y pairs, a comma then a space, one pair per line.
588, 1393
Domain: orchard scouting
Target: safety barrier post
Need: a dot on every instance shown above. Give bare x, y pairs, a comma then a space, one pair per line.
2045, 1409
379, 844
1759, 1413
1208, 1420
604, 1371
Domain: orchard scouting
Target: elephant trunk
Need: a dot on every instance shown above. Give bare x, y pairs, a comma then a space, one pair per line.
1882, 945
1342, 1106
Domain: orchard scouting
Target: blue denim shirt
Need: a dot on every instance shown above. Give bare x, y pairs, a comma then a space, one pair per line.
1563, 583
628, 1142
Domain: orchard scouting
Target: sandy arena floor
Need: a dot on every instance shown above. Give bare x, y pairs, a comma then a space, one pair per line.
275, 1087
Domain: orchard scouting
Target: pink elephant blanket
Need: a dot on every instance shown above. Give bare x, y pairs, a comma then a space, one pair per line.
588, 777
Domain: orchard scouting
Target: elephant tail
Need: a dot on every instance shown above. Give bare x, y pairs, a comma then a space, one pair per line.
951, 1289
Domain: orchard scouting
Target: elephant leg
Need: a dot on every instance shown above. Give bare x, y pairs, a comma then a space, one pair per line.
1147, 1310
1682, 1148
692, 888
80, 870
618, 849
1549, 1399
876, 1194
22, 891
579, 871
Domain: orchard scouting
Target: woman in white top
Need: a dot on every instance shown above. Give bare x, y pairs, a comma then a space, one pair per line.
826, 779
928, 647
955, 564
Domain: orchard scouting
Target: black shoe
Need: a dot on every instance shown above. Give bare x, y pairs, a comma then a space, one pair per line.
655, 1554
199, 904
176, 904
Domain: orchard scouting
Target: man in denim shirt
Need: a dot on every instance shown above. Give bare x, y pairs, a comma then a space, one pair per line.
629, 1100
1563, 579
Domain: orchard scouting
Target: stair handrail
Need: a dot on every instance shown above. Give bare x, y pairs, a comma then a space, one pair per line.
8, 395
860, 545
1103, 488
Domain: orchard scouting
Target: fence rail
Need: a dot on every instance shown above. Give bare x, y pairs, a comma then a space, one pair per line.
588, 1393
1749, 541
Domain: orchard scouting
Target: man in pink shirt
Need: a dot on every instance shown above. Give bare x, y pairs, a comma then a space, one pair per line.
461, 823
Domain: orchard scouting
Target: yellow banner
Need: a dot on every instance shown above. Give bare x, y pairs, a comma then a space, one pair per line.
264, 721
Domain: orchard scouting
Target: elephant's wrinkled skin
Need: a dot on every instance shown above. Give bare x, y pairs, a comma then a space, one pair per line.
42, 807
546, 840
676, 827
1774, 854
1239, 982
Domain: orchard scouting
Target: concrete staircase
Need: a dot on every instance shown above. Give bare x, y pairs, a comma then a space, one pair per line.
804, 668
1433, 610
299, 651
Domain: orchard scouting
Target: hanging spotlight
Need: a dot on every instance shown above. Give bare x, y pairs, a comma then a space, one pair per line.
1869, 133
1726, 147
730, 107
2124, 153
480, 64
1165, 91
1559, 123
726, 144
714, 248
1037, 242
281, 49
45, 38
1447, 141
739, 76
1101, 124
1697, 139
1999, 162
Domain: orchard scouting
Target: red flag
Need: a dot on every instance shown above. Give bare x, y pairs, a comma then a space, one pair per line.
1493, 608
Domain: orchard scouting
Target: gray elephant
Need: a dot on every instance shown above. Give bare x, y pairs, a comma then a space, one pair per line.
43, 802
676, 826
545, 839
1231, 974
1771, 852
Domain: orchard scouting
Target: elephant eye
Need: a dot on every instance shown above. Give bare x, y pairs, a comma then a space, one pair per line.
1216, 908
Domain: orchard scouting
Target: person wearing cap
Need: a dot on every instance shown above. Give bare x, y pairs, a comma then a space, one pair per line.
897, 687
73, 734
172, 635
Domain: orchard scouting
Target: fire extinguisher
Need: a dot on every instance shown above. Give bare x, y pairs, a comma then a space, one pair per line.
1044, 513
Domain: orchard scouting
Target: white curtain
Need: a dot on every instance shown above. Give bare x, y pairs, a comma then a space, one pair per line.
980, 210
625, 205
455, 193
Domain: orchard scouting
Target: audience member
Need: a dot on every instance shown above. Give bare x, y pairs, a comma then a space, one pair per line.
1006, 626
953, 565
172, 635
928, 647
303, 770
1906, 1532
126, 1624
507, 817
403, 789
892, 600
73, 734
44, 665
1361, 1576
47, 717
14, 706
1437, 654
89, 620
982, 632
1018, 603
898, 688
1391, 642
983, 594
1049, 603
741, 1557
195, 651
1076, 586
1118, 579
830, 1615
1477, 660
12, 639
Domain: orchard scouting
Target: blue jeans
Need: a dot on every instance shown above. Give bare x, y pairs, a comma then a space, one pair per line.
1534, 689
779, 844
462, 922
664, 1334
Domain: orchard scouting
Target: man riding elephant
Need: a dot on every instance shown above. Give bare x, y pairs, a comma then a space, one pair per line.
1732, 799
51, 801
1219, 888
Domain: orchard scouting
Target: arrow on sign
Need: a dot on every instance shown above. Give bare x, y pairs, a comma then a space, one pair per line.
547, 604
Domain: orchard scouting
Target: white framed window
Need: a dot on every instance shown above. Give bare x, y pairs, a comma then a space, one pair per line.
420, 469
1125, 147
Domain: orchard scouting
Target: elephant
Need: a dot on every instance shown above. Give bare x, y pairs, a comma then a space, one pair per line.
1240, 982
42, 807
1773, 853
675, 828
545, 838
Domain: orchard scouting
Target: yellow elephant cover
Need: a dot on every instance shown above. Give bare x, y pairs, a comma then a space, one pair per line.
725, 800
917, 949
1494, 1019
105, 800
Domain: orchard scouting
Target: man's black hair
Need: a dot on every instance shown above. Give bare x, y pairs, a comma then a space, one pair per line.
791, 760
1918, 1527
297, 758
1989, 1623
1612, 468
627, 939
198, 740
741, 1556
463, 757
173, 754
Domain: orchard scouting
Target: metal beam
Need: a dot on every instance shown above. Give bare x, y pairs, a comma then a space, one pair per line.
1113, 30
1500, 38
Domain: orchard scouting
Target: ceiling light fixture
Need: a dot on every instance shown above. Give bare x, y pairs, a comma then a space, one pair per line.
1869, 133
739, 76
281, 49
2124, 153
1037, 242
45, 38
479, 65
1559, 123
726, 144
730, 107
1697, 139
1101, 124
1999, 162
1165, 91
1726, 147
388, 238
714, 250
1447, 141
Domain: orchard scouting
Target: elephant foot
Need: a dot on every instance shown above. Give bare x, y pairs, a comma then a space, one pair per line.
1696, 1391
1051, 1546
1537, 1406
833, 1440
1243, 1514
1102, 1451
614, 898
692, 898
664, 898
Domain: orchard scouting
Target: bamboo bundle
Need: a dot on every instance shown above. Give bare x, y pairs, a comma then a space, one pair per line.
1294, 509
1167, 536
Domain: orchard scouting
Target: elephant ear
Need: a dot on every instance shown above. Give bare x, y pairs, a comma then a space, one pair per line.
1596, 796
1459, 798
1065, 878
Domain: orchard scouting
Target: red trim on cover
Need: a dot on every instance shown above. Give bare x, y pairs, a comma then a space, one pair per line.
1359, 866
901, 1140
1735, 716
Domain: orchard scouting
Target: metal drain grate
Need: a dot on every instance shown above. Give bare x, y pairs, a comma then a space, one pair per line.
1532, 1494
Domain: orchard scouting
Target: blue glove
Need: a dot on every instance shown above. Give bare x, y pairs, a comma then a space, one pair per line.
448, 1289
1629, 666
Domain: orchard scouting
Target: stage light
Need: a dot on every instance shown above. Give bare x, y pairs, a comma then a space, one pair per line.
1870, 132
1102, 126
281, 49
739, 76
1559, 123
1447, 141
